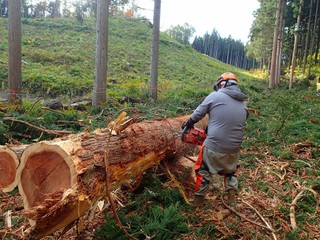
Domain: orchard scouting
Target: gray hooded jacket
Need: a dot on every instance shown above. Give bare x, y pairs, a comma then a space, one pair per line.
227, 112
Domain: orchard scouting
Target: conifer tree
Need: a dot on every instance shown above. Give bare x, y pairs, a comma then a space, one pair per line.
14, 30
153, 85
99, 87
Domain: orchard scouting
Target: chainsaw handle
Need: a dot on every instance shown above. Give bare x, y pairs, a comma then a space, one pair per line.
189, 124
184, 132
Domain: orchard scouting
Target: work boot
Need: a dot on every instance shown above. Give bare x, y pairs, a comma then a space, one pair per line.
198, 200
231, 197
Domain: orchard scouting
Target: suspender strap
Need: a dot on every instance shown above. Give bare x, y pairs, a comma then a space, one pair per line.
199, 177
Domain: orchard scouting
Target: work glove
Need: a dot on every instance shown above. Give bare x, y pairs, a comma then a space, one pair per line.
188, 124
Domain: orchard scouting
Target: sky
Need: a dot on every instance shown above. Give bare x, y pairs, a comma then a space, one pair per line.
228, 17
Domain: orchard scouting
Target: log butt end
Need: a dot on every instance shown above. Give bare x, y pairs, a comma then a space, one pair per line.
44, 169
8, 169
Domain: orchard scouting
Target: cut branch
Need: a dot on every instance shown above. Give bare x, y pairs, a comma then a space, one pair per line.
263, 219
52, 132
244, 218
294, 203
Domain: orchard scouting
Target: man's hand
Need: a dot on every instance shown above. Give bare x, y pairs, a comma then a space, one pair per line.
188, 124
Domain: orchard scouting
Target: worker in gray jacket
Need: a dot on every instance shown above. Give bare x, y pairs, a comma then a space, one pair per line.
220, 153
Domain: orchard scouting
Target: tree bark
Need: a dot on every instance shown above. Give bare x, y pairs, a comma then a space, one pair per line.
100, 72
61, 180
273, 66
153, 86
317, 43
313, 38
14, 71
306, 45
295, 46
280, 44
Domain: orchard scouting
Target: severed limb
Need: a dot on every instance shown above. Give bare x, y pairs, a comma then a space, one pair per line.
243, 217
263, 219
176, 183
294, 203
53, 132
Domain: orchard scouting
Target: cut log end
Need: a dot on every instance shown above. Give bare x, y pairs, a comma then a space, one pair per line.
44, 169
8, 168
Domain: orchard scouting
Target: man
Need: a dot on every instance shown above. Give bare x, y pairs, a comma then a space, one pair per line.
220, 153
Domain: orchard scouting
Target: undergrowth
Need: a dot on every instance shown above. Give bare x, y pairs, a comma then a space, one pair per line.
157, 213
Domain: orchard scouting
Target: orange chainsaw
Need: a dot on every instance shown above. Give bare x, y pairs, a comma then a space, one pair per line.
194, 136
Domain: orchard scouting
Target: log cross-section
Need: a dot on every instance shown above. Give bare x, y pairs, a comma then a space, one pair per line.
45, 168
9, 161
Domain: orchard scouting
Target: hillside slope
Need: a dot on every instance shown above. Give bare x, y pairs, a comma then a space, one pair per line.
61, 53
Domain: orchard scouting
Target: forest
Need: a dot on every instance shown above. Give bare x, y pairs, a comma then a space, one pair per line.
73, 168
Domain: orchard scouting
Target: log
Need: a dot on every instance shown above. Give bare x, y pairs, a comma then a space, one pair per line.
9, 161
183, 170
60, 180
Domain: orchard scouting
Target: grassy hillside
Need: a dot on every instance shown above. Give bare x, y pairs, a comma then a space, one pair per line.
280, 152
60, 52
59, 57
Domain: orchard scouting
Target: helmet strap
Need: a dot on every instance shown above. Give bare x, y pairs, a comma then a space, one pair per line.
224, 85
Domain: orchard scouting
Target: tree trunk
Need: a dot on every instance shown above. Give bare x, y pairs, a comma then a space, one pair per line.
273, 66
295, 46
56, 8
61, 180
99, 88
280, 44
318, 42
153, 86
313, 38
14, 71
306, 45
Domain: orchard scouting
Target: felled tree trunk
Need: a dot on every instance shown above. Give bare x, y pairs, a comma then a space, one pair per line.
9, 161
60, 180
183, 170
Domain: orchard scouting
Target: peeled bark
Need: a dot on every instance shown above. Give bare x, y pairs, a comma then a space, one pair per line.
60, 180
